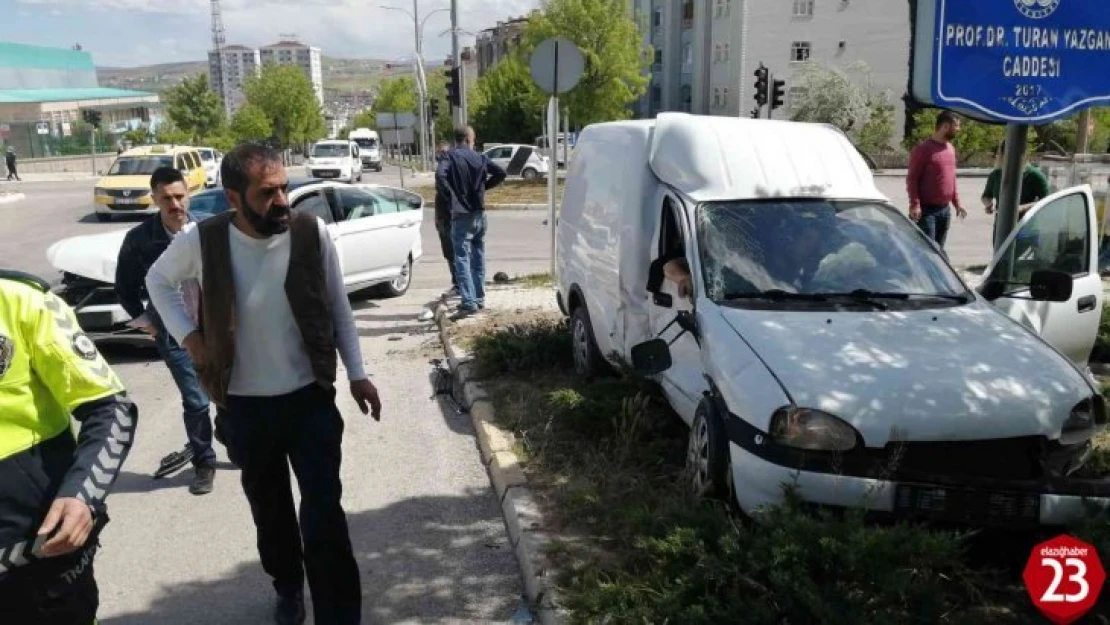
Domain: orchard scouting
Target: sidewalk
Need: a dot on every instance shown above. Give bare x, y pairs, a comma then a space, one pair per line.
60, 176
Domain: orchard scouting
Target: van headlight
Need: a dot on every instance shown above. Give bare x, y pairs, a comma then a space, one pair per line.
1082, 417
806, 428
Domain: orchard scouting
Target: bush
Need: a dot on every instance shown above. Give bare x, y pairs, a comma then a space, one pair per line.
522, 347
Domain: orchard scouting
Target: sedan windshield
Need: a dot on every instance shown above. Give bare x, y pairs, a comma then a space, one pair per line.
139, 165
804, 250
330, 150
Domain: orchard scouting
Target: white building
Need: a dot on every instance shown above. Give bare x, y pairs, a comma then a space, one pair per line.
240, 63
706, 51
296, 53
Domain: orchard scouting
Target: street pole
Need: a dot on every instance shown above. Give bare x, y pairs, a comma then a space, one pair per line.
420, 84
1083, 139
1017, 135
552, 129
92, 147
459, 114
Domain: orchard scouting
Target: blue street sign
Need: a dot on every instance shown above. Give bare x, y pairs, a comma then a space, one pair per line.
1012, 61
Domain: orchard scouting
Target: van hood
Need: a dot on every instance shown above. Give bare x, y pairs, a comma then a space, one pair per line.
91, 256
961, 373
124, 182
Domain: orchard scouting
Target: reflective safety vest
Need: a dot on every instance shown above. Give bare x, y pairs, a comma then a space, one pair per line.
48, 367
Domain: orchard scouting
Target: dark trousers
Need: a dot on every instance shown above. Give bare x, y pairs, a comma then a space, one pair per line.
12, 173
52, 591
934, 222
443, 229
194, 401
305, 429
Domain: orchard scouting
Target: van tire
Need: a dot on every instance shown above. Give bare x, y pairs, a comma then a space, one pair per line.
588, 362
707, 459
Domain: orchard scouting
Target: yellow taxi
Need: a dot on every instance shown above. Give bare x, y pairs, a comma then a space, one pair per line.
125, 189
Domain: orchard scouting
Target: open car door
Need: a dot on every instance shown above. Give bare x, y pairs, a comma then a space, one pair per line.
1057, 233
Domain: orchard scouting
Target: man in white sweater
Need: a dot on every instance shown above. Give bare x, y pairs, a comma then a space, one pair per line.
273, 314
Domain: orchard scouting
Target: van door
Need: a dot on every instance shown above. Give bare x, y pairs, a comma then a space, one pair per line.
1057, 233
684, 381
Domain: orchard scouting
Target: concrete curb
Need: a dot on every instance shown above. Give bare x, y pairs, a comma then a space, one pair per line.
7, 198
516, 207
523, 518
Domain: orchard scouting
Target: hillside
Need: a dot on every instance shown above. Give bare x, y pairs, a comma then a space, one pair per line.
341, 76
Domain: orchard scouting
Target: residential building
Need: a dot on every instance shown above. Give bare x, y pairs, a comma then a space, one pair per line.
44, 91
240, 63
495, 43
706, 51
305, 57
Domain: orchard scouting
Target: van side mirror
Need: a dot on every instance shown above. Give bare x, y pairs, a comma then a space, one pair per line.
651, 357
1047, 285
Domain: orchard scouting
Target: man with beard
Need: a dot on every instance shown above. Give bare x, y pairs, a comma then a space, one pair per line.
273, 313
931, 180
141, 247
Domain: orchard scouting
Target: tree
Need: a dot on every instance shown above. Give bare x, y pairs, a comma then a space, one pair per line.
976, 139
505, 105
396, 95
194, 108
250, 123
829, 96
136, 137
875, 135
364, 119
616, 59
289, 102
169, 133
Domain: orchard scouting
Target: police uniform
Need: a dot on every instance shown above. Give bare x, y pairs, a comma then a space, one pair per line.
49, 370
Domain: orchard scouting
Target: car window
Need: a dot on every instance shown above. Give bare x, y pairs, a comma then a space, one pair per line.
316, 204
405, 200
205, 155
505, 152
357, 203
197, 161
205, 205
1056, 237
386, 201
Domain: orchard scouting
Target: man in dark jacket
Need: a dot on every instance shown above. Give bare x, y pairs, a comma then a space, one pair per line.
443, 224
141, 247
463, 176
9, 161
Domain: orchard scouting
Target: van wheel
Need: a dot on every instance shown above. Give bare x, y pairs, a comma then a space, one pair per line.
707, 462
530, 174
588, 362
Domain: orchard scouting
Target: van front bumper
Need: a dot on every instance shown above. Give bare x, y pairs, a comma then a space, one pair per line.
760, 472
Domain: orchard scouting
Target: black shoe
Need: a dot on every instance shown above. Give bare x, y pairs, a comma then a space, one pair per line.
202, 482
289, 610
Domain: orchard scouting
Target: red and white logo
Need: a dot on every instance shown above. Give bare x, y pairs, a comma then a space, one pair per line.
1064, 578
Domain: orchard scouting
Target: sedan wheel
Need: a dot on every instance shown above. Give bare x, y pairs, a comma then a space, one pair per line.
530, 174
399, 285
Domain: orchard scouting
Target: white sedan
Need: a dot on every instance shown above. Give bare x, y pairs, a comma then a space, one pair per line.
375, 228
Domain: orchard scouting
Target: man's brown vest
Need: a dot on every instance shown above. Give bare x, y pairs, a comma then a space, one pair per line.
305, 286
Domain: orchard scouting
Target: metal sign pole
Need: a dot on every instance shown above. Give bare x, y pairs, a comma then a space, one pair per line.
92, 147
552, 128
397, 137
1009, 192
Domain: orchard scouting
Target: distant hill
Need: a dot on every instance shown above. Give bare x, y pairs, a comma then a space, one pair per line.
341, 76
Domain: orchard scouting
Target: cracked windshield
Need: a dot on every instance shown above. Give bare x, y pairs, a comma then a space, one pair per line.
816, 247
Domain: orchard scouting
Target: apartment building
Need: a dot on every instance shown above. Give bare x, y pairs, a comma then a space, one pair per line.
496, 42
707, 50
296, 53
240, 62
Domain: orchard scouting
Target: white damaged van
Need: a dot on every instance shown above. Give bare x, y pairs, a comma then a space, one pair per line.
809, 334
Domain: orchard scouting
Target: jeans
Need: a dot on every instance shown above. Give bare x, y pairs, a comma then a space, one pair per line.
934, 222
443, 229
194, 401
468, 236
305, 429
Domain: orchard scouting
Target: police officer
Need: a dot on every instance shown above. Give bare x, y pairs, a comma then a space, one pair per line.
53, 481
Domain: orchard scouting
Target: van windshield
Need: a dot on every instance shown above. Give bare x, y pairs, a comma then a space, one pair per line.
330, 150
139, 165
816, 247
366, 143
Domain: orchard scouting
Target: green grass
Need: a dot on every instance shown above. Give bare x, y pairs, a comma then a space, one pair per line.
607, 459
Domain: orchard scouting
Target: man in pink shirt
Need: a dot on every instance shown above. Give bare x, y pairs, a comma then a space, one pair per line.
931, 180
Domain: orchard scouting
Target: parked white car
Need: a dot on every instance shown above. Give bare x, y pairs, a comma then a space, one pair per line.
519, 160
825, 342
211, 158
375, 228
336, 159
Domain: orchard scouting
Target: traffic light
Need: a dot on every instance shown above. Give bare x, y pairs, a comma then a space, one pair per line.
453, 86
777, 94
761, 80
433, 108
91, 117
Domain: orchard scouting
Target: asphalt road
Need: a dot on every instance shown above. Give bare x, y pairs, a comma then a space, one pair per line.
425, 523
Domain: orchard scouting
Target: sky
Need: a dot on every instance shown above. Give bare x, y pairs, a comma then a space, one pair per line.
128, 33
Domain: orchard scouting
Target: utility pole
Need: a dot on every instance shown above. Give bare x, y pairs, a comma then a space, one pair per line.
1083, 139
459, 113
420, 86
1009, 191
